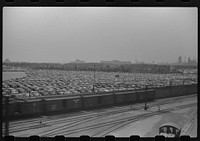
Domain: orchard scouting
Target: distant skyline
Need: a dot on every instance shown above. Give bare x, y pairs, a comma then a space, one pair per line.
100, 61
61, 35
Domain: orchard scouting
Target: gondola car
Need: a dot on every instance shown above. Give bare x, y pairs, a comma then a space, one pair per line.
170, 130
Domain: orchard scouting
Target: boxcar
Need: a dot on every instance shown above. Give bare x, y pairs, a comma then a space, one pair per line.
140, 96
72, 103
150, 95
15, 109
131, 97
120, 98
63, 104
176, 91
35, 107
27, 108
107, 99
90, 101
53, 105
190, 89
19, 109
162, 92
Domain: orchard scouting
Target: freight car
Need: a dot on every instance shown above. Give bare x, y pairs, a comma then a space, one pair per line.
63, 104
57, 105
173, 91
22, 109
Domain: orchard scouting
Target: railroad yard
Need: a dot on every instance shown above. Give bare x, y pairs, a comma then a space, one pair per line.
75, 103
123, 73
122, 121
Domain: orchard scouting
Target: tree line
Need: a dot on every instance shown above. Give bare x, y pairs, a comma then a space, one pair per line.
136, 68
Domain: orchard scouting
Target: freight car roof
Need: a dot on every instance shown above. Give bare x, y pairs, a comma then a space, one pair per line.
57, 98
12, 100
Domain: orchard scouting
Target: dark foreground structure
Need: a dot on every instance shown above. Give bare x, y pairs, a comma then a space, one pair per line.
58, 104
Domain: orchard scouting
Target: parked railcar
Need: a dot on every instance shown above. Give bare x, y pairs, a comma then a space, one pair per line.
107, 99
141, 96
53, 105
15, 109
36, 108
62, 104
73, 103
90, 101
163, 92
120, 98
176, 91
150, 95
131, 97
189, 89
22, 109
125, 97
58, 104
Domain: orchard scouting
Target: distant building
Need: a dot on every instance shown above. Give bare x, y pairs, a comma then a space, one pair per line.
189, 61
139, 62
7, 61
78, 61
179, 60
116, 62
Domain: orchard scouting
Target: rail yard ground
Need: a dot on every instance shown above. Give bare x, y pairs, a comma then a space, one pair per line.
120, 121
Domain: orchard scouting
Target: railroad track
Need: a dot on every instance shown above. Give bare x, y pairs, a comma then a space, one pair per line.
73, 121
187, 124
110, 110
192, 125
106, 132
113, 125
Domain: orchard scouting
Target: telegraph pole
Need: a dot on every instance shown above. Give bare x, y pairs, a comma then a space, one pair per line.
6, 115
94, 81
170, 83
170, 86
145, 106
7, 100
184, 84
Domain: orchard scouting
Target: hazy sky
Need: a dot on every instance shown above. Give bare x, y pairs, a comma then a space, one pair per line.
103, 33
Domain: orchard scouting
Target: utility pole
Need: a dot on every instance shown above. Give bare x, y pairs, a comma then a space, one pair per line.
6, 115
170, 83
94, 81
145, 106
184, 84
170, 86
7, 100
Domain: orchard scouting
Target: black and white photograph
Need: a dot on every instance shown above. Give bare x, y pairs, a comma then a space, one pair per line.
99, 71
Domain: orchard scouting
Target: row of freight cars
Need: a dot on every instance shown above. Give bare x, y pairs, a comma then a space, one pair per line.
52, 105
64, 104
